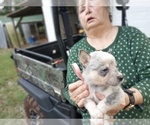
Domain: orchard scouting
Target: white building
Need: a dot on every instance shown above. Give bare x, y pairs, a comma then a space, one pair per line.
138, 15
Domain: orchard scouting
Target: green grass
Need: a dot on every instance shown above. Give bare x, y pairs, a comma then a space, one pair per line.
11, 94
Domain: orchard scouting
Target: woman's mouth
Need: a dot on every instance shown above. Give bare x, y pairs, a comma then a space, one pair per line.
90, 19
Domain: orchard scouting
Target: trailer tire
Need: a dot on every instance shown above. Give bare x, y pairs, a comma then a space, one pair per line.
32, 111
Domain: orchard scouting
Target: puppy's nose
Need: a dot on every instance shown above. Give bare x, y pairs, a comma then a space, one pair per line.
120, 77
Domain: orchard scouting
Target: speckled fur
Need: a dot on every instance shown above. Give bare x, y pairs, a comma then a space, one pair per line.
101, 75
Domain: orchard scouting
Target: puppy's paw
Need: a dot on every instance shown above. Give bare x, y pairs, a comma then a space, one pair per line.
97, 121
102, 107
96, 114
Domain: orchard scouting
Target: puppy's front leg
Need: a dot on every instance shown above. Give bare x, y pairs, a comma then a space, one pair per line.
102, 106
91, 106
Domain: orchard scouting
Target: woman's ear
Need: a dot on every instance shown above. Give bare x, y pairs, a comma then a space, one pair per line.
84, 57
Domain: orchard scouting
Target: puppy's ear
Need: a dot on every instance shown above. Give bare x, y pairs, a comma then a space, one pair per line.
84, 57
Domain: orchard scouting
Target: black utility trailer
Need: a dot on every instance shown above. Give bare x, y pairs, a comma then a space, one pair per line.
42, 73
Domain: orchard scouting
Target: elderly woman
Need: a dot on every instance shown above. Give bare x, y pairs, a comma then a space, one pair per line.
131, 49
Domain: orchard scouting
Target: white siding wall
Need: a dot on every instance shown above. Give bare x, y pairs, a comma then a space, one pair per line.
138, 15
47, 13
3, 43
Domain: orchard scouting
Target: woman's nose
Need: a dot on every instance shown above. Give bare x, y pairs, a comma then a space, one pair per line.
88, 9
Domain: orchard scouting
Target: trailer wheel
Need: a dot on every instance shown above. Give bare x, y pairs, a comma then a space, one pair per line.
32, 111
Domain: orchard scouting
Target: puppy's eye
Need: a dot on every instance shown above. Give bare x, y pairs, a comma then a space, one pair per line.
104, 71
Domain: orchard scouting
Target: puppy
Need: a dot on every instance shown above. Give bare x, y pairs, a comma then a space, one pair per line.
101, 75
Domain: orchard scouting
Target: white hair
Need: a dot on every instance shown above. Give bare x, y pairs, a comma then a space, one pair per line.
109, 4
109, 7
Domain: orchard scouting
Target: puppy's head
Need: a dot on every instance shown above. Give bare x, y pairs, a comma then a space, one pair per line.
100, 68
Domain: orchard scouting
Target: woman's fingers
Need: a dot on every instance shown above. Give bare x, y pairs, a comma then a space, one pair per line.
112, 112
81, 98
78, 91
75, 85
99, 96
81, 103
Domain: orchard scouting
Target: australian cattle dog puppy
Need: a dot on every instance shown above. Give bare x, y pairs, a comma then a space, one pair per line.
101, 75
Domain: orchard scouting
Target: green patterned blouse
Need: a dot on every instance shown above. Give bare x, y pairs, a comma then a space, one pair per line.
131, 49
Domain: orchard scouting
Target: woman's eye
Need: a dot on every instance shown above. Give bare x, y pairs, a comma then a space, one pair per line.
82, 9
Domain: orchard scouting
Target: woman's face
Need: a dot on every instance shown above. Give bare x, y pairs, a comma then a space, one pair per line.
92, 13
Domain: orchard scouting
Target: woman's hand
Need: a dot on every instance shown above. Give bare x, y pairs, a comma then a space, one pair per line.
78, 91
118, 107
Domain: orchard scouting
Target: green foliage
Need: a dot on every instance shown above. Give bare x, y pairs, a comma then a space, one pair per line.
8, 9
11, 94
5, 10
41, 29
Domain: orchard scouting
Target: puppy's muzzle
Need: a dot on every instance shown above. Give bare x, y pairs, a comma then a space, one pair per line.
120, 78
